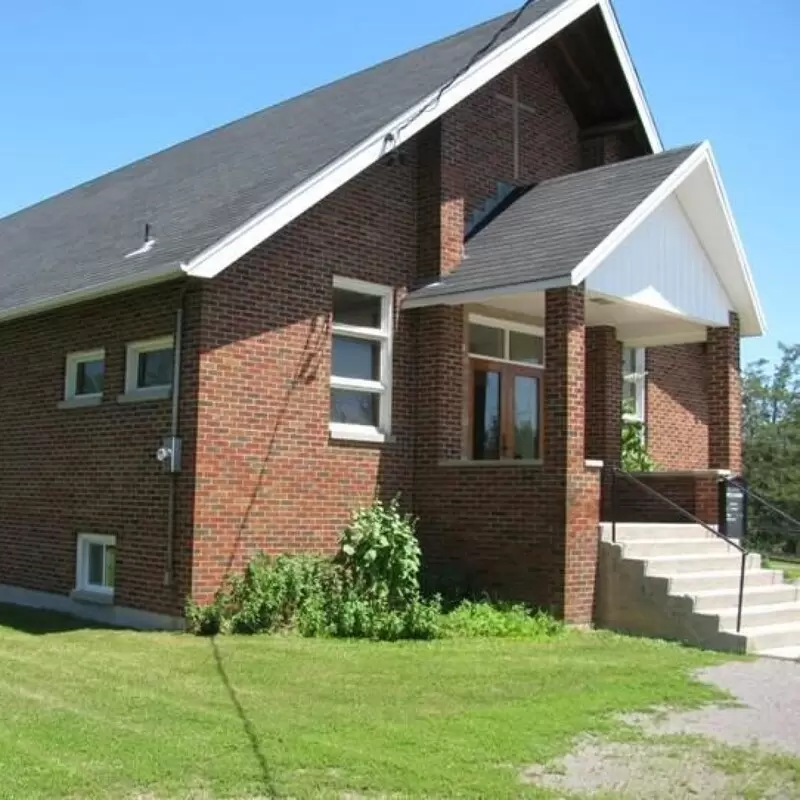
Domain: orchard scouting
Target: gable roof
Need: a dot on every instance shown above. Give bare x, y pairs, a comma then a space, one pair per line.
211, 199
558, 232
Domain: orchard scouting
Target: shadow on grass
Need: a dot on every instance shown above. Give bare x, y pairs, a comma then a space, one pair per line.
37, 621
268, 786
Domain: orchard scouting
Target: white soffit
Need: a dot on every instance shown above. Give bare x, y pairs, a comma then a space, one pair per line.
236, 244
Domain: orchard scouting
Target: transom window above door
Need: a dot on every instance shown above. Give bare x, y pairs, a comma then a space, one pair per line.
505, 389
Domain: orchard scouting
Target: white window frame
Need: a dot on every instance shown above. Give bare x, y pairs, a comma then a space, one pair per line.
133, 351
639, 379
82, 563
383, 387
71, 395
507, 326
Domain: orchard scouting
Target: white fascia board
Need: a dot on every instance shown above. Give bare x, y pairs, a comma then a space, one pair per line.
482, 295
591, 262
631, 76
171, 272
226, 251
744, 264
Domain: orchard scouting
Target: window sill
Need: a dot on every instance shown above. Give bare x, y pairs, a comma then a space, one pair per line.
90, 401
91, 597
145, 395
502, 462
357, 433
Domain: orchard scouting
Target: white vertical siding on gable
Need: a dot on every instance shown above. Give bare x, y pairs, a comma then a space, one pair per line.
663, 265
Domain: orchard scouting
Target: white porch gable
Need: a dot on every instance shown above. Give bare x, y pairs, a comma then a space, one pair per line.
663, 265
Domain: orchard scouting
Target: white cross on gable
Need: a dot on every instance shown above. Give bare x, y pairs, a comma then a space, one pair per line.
516, 107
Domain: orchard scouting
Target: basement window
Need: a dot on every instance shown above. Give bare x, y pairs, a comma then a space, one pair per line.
505, 390
96, 564
83, 378
361, 361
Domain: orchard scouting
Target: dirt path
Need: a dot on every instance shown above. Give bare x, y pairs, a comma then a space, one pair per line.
748, 750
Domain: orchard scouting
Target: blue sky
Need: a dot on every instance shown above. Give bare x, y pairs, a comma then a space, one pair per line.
91, 85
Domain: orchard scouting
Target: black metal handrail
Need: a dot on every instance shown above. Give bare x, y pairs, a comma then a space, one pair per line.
617, 472
740, 484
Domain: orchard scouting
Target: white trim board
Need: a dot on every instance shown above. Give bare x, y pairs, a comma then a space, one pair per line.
237, 243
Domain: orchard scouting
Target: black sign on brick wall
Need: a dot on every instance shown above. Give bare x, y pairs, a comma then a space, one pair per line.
732, 510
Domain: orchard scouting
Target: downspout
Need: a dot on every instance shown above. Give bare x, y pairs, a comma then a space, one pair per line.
174, 422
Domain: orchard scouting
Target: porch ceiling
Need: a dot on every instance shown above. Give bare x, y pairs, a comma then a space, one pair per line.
637, 325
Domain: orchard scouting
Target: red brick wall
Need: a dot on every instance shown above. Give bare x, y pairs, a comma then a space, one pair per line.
677, 406
268, 476
91, 470
697, 494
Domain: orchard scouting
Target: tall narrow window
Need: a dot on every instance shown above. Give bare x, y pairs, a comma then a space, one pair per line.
361, 361
634, 379
506, 373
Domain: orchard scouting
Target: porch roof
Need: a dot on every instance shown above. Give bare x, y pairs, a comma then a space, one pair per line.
558, 232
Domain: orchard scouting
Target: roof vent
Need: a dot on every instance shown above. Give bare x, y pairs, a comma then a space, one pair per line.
601, 301
147, 246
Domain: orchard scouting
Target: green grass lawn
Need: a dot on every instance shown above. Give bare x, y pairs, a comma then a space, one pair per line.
791, 569
90, 713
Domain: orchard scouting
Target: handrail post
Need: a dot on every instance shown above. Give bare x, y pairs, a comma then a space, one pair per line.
741, 593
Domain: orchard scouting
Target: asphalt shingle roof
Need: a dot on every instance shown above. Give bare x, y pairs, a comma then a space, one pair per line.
551, 228
198, 191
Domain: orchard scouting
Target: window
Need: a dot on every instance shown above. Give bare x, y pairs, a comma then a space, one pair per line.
506, 372
84, 377
96, 564
148, 369
634, 378
361, 360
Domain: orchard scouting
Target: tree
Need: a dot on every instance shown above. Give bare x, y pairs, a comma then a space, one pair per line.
771, 431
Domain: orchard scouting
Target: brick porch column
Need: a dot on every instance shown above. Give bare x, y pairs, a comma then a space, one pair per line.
724, 397
604, 402
574, 498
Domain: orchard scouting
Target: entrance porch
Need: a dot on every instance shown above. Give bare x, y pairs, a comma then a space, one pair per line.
522, 369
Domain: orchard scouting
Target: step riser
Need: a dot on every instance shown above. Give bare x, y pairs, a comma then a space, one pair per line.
769, 641
626, 533
751, 599
645, 550
752, 619
677, 565
688, 584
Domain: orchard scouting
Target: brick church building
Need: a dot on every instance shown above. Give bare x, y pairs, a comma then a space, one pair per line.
438, 277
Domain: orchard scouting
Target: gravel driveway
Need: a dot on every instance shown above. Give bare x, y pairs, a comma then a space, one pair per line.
750, 750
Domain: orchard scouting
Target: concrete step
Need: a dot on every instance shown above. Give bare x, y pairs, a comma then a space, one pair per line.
675, 564
757, 616
791, 653
769, 594
762, 638
646, 549
692, 583
634, 531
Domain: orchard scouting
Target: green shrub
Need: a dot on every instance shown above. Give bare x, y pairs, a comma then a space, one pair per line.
483, 619
635, 455
381, 554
